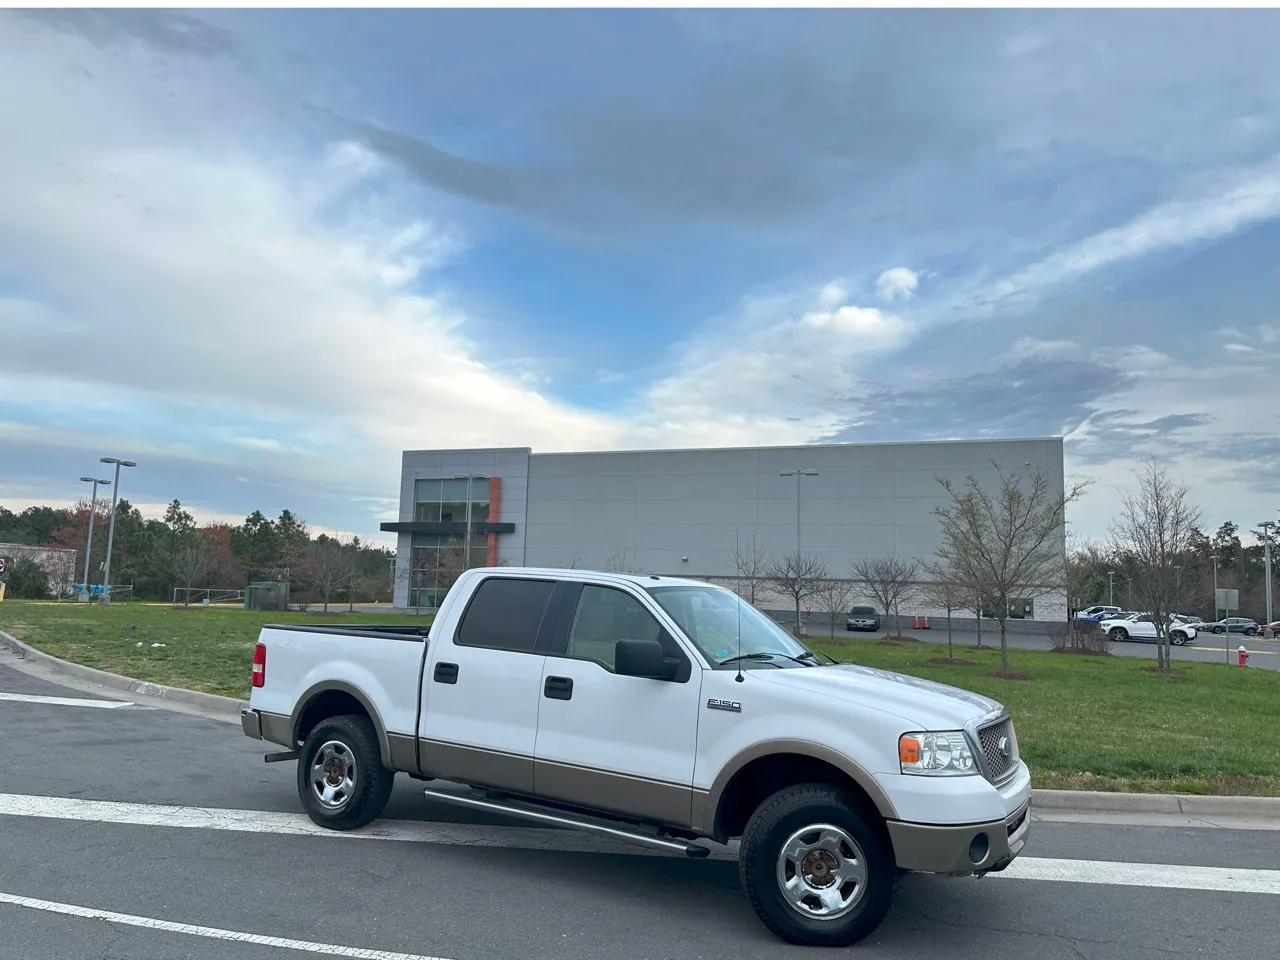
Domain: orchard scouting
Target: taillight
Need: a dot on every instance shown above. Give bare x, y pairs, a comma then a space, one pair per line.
259, 665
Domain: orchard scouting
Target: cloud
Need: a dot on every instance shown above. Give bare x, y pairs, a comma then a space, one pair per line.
1236, 198
897, 283
1028, 347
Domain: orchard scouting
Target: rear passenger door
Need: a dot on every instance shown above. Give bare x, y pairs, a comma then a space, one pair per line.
483, 683
615, 743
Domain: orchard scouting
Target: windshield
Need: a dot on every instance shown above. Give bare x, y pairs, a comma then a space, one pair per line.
710, 617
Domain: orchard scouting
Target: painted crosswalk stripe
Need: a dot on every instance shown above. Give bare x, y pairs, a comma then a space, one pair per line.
65, 701
1101, 872
211, 933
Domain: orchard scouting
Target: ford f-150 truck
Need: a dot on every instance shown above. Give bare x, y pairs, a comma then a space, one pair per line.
662, 711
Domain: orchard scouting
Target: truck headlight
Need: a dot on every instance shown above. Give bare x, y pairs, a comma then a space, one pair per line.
936, 754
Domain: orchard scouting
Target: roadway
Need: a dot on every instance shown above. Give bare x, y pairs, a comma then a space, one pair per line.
131, 832
1264, 653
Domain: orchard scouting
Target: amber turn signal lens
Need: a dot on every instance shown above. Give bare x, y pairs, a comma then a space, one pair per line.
909, 750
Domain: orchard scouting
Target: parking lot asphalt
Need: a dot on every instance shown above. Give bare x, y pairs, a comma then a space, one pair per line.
1264, 653
155, 870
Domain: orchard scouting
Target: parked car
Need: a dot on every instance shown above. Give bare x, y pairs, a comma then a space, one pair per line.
862, 618
1187, 619
1097, 613
1142, 627
660, 711
1245, 625
1274, 627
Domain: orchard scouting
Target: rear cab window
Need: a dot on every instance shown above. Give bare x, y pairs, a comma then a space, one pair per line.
505, 613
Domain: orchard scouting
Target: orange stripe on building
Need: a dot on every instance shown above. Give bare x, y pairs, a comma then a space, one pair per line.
495, 510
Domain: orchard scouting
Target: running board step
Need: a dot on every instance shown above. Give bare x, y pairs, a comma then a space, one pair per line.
693, 850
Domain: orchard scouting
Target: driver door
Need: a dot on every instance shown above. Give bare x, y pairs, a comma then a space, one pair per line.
615, 743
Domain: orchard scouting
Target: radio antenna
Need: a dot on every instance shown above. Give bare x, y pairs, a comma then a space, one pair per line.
738, 565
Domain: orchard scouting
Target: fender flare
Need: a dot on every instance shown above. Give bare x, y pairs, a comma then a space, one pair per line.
342, 686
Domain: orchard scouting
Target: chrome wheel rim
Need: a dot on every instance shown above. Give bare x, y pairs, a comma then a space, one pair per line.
333, 774
822, 872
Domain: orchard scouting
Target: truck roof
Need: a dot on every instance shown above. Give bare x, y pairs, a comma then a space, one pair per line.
642, 580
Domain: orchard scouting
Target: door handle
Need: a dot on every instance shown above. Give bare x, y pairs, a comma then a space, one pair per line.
558, 688
446, 673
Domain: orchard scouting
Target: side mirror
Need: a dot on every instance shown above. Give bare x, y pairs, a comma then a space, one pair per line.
643, 658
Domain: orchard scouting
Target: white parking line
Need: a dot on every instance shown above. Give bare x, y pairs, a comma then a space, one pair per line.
212, 933
64, 701
1103, 872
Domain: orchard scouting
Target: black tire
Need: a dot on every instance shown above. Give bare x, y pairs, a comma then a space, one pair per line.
1119, 633
354, 741
1218, 630
781, 817
1250, 632
1177, 638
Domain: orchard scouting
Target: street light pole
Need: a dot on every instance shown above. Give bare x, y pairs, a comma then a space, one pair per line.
1111, 588
1267, 526
797, 474
111, 529
88, 548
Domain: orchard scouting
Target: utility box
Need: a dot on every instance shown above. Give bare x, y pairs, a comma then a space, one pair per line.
266, 595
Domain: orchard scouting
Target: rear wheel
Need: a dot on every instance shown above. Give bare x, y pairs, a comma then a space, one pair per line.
1178, 638
1119, 633
1218, 630
1250, 632
341, 780
817, 870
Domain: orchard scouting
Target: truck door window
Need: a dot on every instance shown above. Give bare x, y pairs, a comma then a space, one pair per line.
505, 614
605, 616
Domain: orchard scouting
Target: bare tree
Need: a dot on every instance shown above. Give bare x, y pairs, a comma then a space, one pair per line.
1087, 565
751, 565
1006, 545
799, 576
835, 595
454, 560
945, 590
574, 560
327, 567
1155, 529
622, 561
193, 557
889, 579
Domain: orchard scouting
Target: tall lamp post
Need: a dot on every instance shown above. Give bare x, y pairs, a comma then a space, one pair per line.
1266, 526
88, 548
797, 474
111, 528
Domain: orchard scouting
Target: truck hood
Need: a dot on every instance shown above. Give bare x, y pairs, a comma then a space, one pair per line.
924, 704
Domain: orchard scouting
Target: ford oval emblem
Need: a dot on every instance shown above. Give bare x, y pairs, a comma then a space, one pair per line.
1006, 747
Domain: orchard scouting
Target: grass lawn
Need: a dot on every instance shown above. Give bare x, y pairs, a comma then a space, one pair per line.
1086, 723
1103, 723
205, 649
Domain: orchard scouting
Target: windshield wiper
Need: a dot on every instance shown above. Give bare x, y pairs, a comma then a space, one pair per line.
810, 655
764, 656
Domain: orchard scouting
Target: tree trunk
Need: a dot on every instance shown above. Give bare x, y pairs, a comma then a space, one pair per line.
1004, 648
950, 655
799, 631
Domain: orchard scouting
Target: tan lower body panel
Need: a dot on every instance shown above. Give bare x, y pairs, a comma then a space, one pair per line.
404, 752
475, 765
946, 849
652, 800
277, 728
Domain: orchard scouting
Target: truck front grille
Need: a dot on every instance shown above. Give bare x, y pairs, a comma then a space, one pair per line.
990, 739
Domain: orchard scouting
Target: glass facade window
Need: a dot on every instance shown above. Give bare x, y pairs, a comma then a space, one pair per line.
438, 559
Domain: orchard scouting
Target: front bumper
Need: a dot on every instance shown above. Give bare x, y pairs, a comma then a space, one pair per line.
960, 850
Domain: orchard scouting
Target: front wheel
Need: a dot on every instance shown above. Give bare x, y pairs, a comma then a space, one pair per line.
341, 780
1119, 633
1218, 630
816, 871
1178, 639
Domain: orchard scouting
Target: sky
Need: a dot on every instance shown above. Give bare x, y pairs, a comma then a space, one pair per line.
263, 252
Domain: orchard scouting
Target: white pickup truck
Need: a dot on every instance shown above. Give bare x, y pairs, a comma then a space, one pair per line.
661, 711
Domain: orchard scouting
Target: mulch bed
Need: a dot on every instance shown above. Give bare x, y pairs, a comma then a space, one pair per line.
1008, 676
953, 662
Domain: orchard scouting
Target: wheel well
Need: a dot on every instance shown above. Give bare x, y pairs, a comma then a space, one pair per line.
326, 704
765, 776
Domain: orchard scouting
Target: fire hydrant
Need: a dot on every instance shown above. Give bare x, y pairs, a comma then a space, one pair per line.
1243, 656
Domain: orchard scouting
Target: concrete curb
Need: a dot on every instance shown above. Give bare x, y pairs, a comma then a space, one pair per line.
1097, 801
209, 702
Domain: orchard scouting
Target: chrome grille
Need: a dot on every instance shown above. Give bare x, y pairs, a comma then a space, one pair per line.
989, 738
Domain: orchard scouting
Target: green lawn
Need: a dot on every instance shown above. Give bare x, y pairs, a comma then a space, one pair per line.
1103, 723
205, 649
1092, 723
